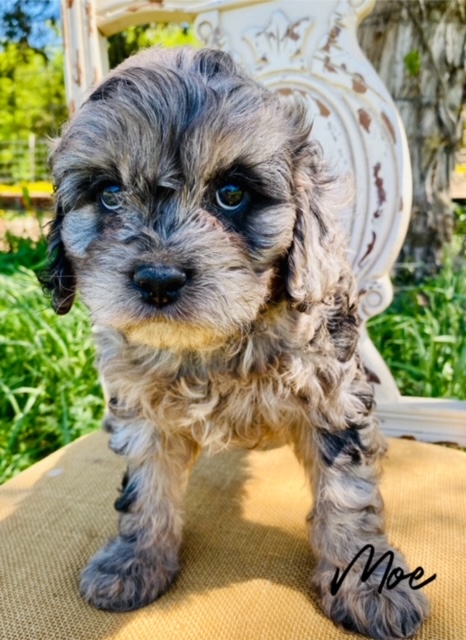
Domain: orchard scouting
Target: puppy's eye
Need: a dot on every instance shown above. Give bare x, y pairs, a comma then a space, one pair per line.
230, 197
110, 197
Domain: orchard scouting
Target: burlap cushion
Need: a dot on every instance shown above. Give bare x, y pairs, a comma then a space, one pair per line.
246, 558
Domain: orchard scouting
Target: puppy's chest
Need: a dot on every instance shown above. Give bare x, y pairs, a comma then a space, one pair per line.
228, 410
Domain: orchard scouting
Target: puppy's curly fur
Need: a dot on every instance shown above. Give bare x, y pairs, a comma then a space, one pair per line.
254, 337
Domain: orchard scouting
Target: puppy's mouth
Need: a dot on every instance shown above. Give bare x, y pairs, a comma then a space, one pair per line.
176, 337
173, 304
166, 316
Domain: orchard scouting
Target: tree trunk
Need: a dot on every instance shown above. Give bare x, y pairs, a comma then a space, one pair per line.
419, 49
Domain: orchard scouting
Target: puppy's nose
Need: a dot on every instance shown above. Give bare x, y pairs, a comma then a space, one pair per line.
159, 284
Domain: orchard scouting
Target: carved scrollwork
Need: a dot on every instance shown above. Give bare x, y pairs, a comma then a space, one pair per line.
207, 29
376, 296
280, 44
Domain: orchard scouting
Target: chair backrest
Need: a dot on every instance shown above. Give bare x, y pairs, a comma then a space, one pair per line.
308, 47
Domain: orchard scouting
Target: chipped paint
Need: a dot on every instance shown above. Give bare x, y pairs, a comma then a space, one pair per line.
281, 40
369, 249
69, 4
284, 91
293, 30
329, 66
381, 193
78, 71
88, 11
332, 39
389, 125
364, 120
323, 109
359, 84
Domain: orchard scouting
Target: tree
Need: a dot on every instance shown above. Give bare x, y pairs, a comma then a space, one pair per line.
29, 23
32, 95
32, 101
419, 49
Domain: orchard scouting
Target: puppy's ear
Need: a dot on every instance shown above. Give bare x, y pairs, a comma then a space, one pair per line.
314, 256
58, 278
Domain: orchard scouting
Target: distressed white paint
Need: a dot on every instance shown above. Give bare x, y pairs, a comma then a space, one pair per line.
428, 419
308, 47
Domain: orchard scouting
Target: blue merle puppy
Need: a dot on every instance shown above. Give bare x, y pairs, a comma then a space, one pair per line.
191, 216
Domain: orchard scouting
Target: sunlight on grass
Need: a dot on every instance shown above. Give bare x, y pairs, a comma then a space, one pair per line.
49, 392
422, 336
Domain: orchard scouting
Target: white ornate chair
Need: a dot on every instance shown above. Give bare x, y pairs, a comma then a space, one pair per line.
309, 47
245, 556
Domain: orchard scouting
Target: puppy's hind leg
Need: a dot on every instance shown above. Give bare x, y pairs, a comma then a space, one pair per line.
140, 564
348, 515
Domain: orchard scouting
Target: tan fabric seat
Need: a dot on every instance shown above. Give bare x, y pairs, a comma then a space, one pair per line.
246, 558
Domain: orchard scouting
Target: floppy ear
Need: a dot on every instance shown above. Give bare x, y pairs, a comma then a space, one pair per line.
315, 256
58, 278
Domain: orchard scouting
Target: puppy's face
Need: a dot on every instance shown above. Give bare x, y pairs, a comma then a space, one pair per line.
176, 200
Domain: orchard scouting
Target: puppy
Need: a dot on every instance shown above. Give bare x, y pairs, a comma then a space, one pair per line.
191, 216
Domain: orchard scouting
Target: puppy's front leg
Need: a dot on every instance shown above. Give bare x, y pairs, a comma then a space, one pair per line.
347, 516
140, 564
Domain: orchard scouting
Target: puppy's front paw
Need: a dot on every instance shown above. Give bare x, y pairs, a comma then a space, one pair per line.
118, 578
359, 607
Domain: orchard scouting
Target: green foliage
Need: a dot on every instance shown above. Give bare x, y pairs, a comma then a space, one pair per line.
32, 100
32, 94
49, 389
412, 62
32, 91
18, 252
124, 44
460, 220
422, 336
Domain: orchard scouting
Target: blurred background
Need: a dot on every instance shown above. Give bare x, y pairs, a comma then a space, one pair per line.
49, 392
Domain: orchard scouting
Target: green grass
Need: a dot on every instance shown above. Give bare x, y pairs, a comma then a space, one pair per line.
49, 392
422, 336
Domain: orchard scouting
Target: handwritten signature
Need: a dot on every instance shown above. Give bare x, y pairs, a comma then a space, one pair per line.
390, 578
